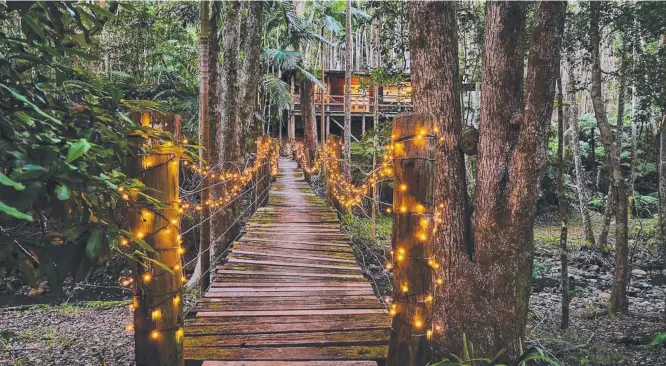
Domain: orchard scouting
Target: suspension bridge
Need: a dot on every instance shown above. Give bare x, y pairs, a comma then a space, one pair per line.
290, 291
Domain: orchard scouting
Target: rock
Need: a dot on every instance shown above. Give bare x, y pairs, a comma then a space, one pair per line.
605, 295
593, 268
638, 273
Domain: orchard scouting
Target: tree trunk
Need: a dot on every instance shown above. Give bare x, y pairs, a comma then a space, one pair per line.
309, 116
348, 72
619, 302
203, 263
226, 148
414, 265
157, 303
487, 265
251, 68
662, 157
581, 186
562, 206
434, 66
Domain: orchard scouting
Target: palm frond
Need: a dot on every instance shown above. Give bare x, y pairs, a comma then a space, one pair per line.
278, 91
284, 59
332, 25
310, 77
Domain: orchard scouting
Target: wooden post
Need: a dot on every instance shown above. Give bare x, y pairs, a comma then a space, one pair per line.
158, 306
333, 168
414, 266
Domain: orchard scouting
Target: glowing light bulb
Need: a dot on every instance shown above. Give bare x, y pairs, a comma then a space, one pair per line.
429, 334
429, 298
404, 288
423, 237
388, 210
403, 209
176, 267
154, 334
129, 328
156, 314
181, 250
147, 277
403, 187
439, 281
124, 242
389, 266
418, 323
125, 196
176, 300
174, 221
180, 333
424, 223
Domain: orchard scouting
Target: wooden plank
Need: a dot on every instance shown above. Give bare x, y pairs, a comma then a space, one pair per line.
293, 264
251, 238
287, 294
302, 339
250, 323
252, 283
290, 363
290, 312
288, 353
240, 254
292, 270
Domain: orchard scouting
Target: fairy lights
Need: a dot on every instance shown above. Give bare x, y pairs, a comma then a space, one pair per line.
152, 224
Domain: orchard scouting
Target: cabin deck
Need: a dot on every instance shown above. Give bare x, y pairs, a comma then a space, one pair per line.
290, 293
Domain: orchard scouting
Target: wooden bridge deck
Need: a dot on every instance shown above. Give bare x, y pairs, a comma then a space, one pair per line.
290, 293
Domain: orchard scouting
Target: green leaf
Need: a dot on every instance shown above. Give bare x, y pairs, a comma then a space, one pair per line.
62, 192
659, 339
11, 211
77, 149
5, 180
94, 244
28, 171
25, 100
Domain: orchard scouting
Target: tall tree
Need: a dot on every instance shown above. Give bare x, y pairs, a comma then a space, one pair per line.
619, 302
204, 135
562, 207
487, 258
251, 67
309, 116
226, 153
346, 154
581, 185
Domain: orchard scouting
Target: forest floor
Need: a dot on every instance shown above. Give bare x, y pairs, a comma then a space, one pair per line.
596, 337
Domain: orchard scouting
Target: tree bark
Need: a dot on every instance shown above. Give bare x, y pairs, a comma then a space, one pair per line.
309, 116
203, 263
581, 186
486, 262
348, 73
486, 265
251, 68
562, 208
619, 302
226, 148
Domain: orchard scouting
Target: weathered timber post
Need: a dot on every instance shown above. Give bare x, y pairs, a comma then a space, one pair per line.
158, 308
414, 264
333, 169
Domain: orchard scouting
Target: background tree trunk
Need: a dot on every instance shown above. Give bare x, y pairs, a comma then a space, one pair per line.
619, 302
226, 148
581, 186
562, 208
251, 68
204, 140
309, 116
348, 72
